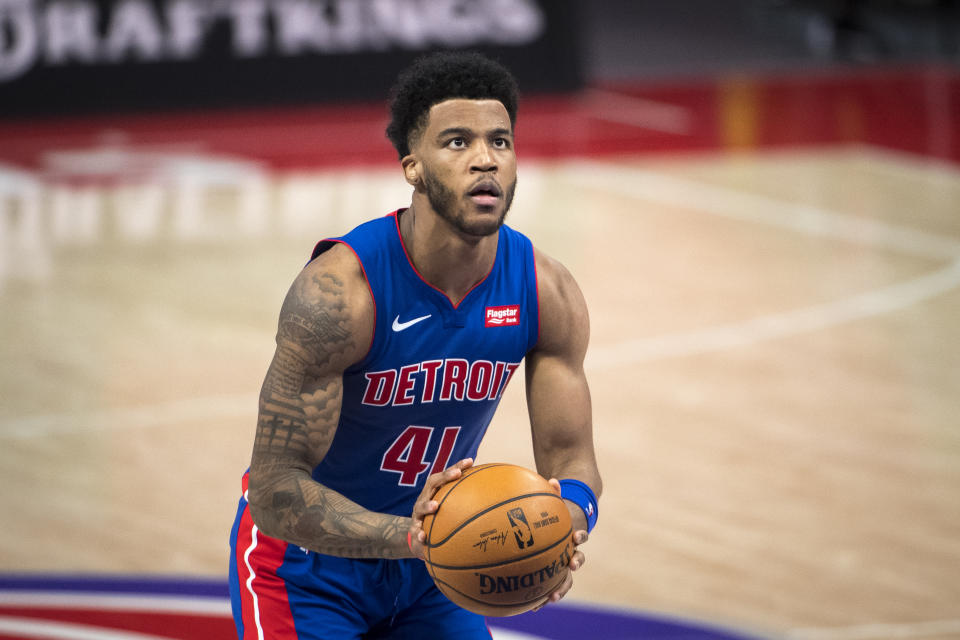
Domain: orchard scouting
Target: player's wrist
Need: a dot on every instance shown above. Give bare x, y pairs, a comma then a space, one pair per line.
583, 496
578, 520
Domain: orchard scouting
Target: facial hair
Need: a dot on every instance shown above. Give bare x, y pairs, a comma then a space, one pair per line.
443, 200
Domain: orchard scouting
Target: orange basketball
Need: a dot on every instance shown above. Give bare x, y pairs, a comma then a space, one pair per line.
501, 540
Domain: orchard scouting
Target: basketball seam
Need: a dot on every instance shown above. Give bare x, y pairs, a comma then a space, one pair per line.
462, 477
491, 565
485, 511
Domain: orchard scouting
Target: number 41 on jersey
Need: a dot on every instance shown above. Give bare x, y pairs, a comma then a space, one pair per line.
407, 454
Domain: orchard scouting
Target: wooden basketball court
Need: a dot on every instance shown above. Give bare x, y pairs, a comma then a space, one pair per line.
775, 365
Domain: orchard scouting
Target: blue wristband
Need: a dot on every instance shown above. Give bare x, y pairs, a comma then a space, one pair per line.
581, 494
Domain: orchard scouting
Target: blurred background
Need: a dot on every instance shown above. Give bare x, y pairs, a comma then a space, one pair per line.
759, 199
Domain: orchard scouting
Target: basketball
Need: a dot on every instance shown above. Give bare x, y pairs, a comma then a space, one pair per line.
500, 541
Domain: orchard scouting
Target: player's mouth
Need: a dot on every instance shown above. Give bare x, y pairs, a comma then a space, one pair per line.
485, 193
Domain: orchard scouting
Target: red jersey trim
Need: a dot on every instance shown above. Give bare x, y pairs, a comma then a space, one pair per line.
396, 220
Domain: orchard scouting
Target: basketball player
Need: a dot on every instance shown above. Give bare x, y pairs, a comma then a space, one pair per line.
395, 344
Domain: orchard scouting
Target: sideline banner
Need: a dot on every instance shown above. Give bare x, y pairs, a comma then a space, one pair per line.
83, 56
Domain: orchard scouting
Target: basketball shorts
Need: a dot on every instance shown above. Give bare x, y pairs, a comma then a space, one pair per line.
278, 591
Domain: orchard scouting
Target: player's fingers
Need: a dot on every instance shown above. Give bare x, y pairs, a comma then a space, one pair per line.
562, 589
577, 560
457, 470
557, 593
555, 485
425, 505
437, 480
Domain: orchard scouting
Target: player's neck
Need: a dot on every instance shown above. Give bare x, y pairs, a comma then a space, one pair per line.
446, 258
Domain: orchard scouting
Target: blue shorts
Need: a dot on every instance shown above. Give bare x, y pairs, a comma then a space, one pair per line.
279, 591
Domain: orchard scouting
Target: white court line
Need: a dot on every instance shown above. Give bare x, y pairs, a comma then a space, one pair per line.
103, 602
161, 414
880, 631
112, 602
759, 209
642, 113
506, 634
652, 187
754, 208
50, 630
780, 325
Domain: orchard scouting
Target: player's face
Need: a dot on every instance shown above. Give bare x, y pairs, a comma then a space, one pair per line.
468, 164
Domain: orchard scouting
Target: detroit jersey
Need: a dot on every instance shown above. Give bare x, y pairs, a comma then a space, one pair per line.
423, 396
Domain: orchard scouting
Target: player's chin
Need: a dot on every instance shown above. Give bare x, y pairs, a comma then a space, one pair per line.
486, 210
483, 224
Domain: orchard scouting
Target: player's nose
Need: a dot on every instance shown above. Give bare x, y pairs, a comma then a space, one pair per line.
483, 160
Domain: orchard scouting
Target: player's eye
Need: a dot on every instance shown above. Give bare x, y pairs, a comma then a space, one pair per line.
501, 143
457, 143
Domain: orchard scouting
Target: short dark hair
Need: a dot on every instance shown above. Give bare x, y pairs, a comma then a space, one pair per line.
443, 76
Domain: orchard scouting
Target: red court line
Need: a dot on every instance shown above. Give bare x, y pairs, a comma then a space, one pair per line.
180, 626
910, 109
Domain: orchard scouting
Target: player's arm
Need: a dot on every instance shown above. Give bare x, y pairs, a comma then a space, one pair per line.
558, 397
325, 325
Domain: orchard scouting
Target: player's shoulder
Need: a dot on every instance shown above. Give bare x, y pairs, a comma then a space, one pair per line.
555, 283
330, 299
335, 256
563, 309
337, 278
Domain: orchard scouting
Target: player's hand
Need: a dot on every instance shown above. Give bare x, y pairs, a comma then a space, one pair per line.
426, 505
580, 536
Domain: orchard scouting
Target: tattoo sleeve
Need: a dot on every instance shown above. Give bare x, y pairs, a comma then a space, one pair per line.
299, 411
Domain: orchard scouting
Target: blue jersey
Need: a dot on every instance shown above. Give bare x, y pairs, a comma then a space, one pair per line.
428, 387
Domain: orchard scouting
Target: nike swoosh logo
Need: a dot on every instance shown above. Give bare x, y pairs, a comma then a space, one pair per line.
400, 326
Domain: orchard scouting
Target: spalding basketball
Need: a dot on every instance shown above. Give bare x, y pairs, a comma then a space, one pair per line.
500, 541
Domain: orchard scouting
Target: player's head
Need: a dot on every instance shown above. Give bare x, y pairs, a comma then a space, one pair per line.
452, 117
442, 76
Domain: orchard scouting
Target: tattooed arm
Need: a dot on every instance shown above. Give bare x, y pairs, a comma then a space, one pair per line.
326, 323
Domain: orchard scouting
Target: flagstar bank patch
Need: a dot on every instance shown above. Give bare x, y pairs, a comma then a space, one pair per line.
502, 316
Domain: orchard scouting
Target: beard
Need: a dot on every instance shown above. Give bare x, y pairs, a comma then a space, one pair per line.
444, 201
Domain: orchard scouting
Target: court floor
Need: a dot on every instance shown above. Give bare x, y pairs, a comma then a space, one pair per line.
775, 369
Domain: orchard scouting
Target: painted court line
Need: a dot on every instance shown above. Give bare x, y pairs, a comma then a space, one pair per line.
51, 630
140, 417
797, 217
760, 209
506, 634
880, 631
653, 187
642, 113
108, 602
780, 325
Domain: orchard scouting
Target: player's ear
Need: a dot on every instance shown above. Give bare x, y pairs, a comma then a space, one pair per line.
411, 169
